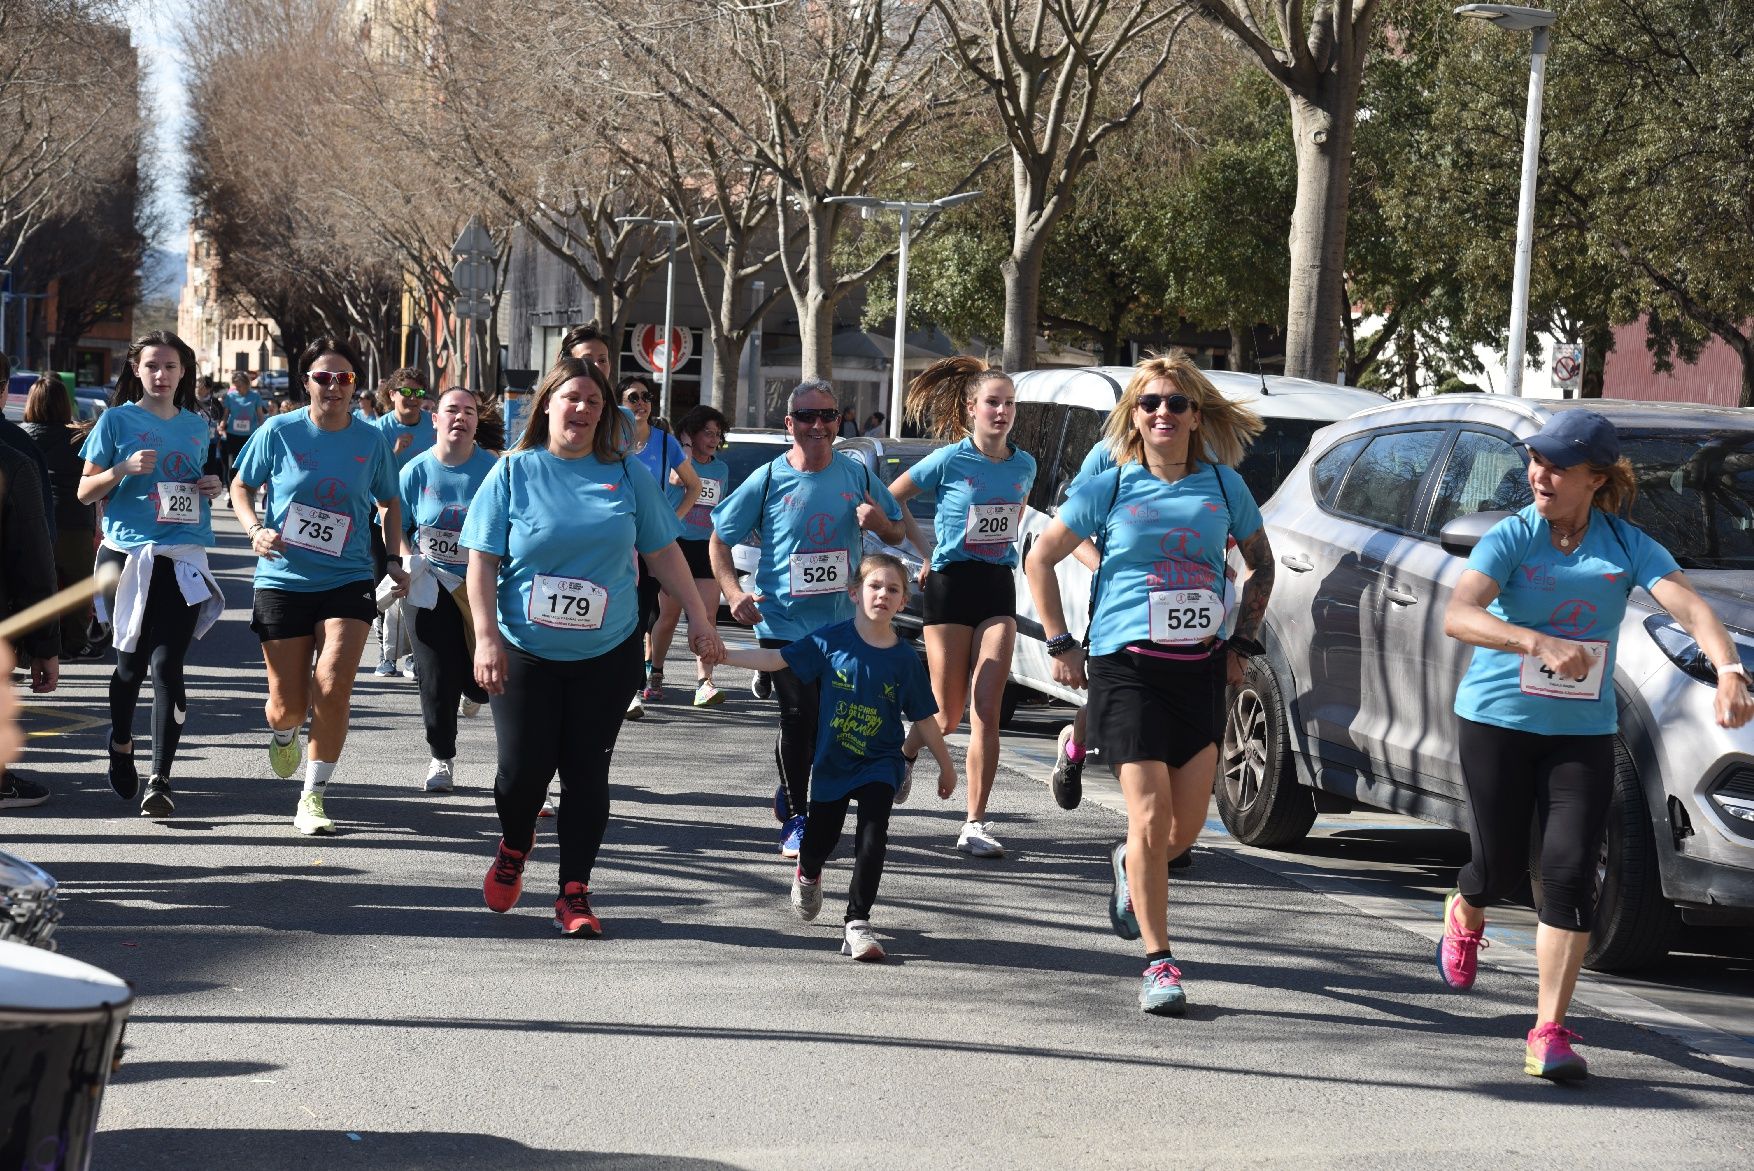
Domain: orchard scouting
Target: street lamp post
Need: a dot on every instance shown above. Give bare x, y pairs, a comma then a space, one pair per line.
1512, 18
671, 227
868, 206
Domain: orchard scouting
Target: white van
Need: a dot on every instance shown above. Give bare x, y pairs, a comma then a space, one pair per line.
1060, 417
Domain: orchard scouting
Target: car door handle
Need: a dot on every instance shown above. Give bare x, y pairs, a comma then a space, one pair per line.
1399, 596
1296, 562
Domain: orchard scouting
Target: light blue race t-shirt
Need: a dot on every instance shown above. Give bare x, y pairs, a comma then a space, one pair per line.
1158, 538
697, 522
987, 494
422, 435
867, 692
810, 539
240, 413
323, 487
661, 455
142, 510
565, 531
1099, 459
435, 503
1581, 598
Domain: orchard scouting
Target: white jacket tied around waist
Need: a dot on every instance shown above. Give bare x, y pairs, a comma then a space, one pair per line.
194, 577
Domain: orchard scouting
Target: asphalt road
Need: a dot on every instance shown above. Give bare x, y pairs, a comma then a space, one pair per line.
348, 1002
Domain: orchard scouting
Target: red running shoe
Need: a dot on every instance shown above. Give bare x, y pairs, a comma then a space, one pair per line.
1458, 953
505, 879
573, 914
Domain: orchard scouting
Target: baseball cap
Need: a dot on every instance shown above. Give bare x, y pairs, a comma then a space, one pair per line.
1575, 437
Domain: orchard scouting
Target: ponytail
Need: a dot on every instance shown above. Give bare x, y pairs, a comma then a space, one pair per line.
938, 397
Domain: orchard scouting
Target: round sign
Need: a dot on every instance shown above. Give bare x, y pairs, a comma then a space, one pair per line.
1565, 368
651, 352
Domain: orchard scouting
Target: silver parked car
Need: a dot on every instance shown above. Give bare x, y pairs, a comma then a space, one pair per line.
1354, 697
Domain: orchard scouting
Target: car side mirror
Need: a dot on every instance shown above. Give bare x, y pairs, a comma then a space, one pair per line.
1460, 535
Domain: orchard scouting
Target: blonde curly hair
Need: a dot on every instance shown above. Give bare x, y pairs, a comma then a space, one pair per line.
1226, 428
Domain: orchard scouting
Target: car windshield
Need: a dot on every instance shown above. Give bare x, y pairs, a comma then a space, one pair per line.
744, 457
893, 464
1696, 493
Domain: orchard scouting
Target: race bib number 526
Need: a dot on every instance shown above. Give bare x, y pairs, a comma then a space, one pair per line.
819, 573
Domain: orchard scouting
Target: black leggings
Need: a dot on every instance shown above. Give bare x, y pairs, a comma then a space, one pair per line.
445, 670
1565, 785
561, 715
166, 630
822, 834
796, 747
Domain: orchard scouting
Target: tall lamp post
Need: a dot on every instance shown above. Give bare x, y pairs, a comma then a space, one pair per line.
1513, 18
869, 206
671, 227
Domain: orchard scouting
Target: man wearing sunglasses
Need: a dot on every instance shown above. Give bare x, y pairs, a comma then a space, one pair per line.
808, 506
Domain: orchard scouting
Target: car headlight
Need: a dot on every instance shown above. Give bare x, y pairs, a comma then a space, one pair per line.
1682, 651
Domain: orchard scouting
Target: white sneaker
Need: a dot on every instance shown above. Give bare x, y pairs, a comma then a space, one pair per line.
468, 708
636, 709
860, 943
547, 809
977, 839
806, 896
407, 667
438, 777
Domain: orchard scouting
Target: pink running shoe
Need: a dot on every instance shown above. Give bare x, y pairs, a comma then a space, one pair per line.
1458, 952
505, 879
1549, 1054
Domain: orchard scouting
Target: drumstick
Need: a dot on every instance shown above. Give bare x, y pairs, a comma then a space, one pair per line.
57, 604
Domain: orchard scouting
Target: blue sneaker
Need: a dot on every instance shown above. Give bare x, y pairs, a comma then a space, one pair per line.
1160, 992
792, 836
1120, 900
781, 806
385, 669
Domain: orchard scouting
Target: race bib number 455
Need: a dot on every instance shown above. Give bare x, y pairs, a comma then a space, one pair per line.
1185, 617
819, 573
317, 529
567, 603
1540, 679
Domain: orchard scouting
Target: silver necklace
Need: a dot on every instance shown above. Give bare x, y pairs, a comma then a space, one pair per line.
1565, 539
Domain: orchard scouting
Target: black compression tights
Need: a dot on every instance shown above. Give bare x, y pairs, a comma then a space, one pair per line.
795, 749
166, 630
871, 844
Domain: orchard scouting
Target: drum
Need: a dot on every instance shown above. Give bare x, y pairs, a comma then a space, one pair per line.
60, 1024
29, 908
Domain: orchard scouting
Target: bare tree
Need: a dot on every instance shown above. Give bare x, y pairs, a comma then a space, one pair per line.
827, 98
67, 87
1316, 53
1063, 75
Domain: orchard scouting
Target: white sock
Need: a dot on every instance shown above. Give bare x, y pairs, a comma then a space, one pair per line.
317, 774
285, 736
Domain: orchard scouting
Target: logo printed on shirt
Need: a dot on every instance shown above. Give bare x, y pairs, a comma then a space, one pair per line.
1140, 514
178, 466
1573, 618
820, 529
332, 494
1613, 577
306, 460
452, 516
1538, 577
1182, 544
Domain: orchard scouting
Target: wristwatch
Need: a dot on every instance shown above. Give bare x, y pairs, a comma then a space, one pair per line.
1246, 646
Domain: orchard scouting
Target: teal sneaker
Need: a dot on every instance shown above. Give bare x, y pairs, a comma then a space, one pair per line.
284, 758
1160, 992
1120, 900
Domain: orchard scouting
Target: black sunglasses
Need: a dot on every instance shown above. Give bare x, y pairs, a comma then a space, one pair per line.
816, 414
1178, 403
635, 396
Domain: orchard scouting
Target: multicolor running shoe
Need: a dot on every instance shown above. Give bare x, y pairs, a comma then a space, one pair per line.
1160, 990
1549, 1054
1458, 952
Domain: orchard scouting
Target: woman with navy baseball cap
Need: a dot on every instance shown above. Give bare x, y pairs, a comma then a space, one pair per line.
1537, 705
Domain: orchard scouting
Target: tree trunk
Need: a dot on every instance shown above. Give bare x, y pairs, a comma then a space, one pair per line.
727, 369
1243, 356
816, 311
1022, 271
1747, 399
1322, 136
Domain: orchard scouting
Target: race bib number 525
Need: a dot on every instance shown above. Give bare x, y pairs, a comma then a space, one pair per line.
1185, 617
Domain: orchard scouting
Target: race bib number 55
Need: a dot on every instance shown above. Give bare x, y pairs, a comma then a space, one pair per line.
819, 573
567, 603
1540, 679
1185, 617
317, 529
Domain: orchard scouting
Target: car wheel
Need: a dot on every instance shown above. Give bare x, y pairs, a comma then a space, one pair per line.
1635, 924
1259, 798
